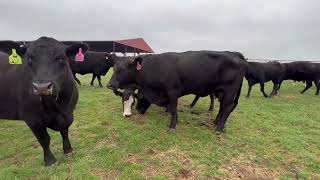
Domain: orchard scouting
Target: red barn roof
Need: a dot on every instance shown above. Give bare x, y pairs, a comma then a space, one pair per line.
138, 43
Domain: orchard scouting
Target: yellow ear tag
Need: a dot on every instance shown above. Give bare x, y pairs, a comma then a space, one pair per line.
14, 58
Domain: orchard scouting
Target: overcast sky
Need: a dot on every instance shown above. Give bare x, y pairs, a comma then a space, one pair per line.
277, 29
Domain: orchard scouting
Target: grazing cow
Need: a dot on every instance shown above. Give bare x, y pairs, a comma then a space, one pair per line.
163, 78
301, 71
94, 62
262, 73
41, 91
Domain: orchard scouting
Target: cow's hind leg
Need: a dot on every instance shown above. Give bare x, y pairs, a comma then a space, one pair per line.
93, 78
67, 149
317, 83
262, 89
250, 84
194, 101
77, 80
172, 107
308, 85
211, 108
43, 137
226, 107
99, 79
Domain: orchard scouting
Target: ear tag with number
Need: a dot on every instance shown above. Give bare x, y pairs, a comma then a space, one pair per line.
139, 66
79, 56
14, 58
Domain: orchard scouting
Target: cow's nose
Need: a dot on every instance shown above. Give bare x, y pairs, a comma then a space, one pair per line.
42, 88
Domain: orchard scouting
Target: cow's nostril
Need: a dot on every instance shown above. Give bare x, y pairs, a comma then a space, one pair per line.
42, 88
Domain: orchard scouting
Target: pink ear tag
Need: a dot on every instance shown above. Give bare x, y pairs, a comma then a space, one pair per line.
139, 66
79, 56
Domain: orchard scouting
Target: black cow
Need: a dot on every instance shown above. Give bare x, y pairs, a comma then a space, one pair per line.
163, 78
301, 71
41, 91
211, 108
262, 73
94, 62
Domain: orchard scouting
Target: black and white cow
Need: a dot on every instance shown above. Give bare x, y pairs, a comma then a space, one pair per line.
163, 78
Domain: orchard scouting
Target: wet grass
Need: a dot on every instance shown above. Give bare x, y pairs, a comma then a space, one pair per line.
265, 137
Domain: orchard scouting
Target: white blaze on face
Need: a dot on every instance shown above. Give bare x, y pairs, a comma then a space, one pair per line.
127, 106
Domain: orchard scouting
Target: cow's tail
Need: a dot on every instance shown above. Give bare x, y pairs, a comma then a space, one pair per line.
236, 99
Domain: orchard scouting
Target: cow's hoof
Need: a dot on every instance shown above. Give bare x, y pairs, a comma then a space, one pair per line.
172, 130
68, 152
218, 131
50, 162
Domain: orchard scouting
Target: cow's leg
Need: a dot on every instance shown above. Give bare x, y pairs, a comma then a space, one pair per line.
316, 82
250, 84
77, 80
308, 85
93, 78
67, 149
172, 107
274, 88
211, 108
262, 89
194, 101
226, 107
43, 137
99, 79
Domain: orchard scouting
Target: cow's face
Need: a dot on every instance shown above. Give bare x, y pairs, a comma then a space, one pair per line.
124, 71
47, 60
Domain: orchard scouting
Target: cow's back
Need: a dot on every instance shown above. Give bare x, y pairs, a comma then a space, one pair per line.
194, 72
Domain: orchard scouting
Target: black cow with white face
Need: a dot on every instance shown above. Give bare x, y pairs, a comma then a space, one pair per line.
163, 78
41, 91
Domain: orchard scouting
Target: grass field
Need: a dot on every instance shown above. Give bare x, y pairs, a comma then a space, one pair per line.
265, 138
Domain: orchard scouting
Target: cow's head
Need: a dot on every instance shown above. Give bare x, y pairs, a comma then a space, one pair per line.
124, 72
47, 60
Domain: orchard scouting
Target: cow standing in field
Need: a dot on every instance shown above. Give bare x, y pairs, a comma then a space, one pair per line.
163, 78
262, 73
301, 71
94, 62
41, 91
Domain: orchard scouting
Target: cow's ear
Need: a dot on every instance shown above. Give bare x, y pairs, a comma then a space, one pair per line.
111, 58
7, 46
137, 62
74, 49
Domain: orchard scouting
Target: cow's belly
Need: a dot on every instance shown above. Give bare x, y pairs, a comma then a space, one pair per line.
156, 96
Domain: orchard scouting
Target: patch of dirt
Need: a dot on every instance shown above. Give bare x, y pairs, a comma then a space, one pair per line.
168, 165
104, 174
290, 97
133, 159
138, 118
244, 168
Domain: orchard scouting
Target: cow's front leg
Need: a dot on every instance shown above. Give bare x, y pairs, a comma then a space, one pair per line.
67, 149
43, 137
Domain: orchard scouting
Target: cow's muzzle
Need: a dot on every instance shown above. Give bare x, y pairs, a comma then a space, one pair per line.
42, 88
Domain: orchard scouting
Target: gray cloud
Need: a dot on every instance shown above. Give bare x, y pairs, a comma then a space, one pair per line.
286, 29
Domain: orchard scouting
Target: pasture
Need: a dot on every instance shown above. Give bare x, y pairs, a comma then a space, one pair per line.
265, 137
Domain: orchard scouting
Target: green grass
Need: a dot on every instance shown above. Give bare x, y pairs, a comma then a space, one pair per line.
265, 137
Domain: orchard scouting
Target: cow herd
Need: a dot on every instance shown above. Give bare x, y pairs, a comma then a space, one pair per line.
42, 90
